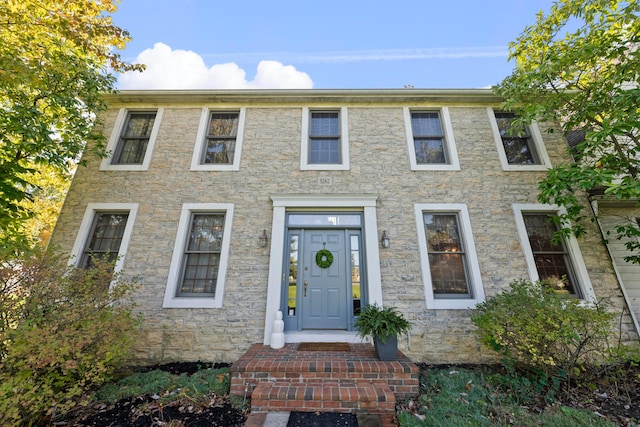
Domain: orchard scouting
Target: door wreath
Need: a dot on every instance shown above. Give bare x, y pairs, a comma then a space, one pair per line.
324, 258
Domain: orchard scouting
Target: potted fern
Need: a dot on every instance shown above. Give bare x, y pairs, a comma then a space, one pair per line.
384, 325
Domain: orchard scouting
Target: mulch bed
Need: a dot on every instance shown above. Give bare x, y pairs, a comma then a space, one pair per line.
145, 411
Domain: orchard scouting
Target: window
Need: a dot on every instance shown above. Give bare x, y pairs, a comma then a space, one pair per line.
325, 141
430, 140
104, 233
324, 137
199, 262
519, 148
219, 140
132, 140
106, 236
202, 255
558, 263
450, 269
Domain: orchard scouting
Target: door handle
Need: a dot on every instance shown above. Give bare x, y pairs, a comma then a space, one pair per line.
306, 283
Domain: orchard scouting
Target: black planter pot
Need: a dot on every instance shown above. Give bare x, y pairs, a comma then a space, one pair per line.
387, 351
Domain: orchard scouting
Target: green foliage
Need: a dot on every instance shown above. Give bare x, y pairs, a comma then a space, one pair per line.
63, 331
452, 397
533, 325
579, 66
525, 389
217, 381
375, 321
55, 62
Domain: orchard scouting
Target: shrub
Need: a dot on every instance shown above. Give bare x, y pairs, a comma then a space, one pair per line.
64, 330
533, 325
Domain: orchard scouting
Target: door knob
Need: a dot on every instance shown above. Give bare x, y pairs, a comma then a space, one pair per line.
306, 283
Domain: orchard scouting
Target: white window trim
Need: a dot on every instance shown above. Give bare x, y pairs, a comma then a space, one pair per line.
344, 142
449, 141
171, 300
571, 243
538, 142
201, 140
82, 238
115, 138
475, 278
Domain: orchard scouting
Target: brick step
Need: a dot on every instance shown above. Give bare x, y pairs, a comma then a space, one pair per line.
359, 365
326, 396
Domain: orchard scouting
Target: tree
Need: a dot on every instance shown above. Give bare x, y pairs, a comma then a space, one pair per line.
56, 58
579, 66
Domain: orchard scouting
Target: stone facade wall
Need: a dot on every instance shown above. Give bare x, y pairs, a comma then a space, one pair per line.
270, 164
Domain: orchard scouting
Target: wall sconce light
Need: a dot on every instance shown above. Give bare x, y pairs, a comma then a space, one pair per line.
384, 240
264, 239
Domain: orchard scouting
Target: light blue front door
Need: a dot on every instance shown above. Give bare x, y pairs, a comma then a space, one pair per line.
324, 292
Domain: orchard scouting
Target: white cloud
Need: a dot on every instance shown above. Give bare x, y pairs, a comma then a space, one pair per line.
183, 69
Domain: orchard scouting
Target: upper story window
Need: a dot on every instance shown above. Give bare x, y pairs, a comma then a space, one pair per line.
324, 140
200, 257
104, 234
219, 140
519, 148
450, 268
132, 140
430, 140
558, 263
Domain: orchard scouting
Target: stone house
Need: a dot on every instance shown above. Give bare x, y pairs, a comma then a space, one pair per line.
228, 206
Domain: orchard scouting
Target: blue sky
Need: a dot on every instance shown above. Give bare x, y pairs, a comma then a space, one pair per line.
200, 44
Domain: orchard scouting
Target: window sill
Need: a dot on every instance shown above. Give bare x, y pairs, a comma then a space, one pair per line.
190, 302
452, 304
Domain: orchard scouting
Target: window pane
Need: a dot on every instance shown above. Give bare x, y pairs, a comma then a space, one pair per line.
324, 123
442, 233
220, 151
139, 124
132, 151
324, 151
446, 256
293, 275
355, 276
541, 231
206, 233
201, 273
223, 124
327, 219
426, 124
518, 151
448, 274
551, 258
429, 151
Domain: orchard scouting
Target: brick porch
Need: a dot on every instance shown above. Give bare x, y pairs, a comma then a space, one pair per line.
330, 381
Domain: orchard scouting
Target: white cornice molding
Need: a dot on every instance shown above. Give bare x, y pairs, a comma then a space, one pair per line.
304, 96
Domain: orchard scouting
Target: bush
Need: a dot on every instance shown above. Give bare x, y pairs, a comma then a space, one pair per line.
533, 325
64, 330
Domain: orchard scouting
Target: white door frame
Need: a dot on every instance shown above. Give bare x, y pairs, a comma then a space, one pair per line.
366, 202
